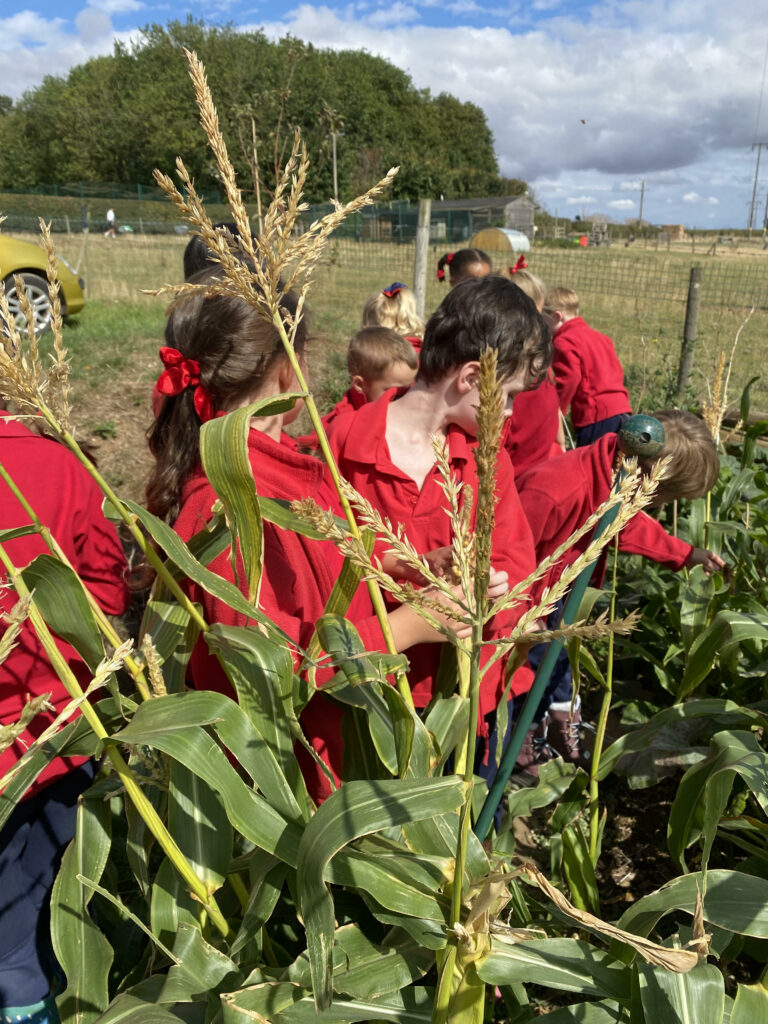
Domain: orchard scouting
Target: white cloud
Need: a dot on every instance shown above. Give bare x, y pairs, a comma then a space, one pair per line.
622, 204
117, 6
580, 200
396, 14
691, 197
713, 201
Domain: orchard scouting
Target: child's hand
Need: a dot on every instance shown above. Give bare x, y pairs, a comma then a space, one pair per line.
409, 628
709, 561
440, 561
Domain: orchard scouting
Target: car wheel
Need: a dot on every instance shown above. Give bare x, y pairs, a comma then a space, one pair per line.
37, 290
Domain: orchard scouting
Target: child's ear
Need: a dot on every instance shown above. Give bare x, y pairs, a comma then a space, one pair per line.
467, 376
357, 383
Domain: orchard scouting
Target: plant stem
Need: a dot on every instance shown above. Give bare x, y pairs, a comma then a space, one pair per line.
106, 627
377, 600
602, 721
132, 788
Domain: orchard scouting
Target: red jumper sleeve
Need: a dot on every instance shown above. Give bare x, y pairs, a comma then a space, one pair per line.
568, 373
643, 535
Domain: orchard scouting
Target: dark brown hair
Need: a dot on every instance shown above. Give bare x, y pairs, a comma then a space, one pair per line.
236, 348
486, 312
695, 464
458, 262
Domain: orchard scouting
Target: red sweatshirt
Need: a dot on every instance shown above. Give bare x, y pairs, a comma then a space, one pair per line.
68, 502
298, 576
360, 446
530, 434
559, 495
590, 378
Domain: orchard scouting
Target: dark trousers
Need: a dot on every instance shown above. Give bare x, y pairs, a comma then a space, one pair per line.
31, 847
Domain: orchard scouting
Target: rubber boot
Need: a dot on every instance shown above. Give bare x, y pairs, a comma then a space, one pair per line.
44, 1012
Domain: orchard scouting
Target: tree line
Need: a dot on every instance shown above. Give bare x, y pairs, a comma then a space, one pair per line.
116, 118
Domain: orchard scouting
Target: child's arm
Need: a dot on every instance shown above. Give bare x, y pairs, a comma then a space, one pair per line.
645, 536
708, 559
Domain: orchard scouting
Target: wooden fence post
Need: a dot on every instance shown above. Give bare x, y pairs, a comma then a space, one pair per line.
689, 331
421, 256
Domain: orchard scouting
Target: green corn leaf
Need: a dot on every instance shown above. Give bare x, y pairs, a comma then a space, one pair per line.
58, 593
567, 965
265, 883
733, 900
18, 531
447, 721
130, 1009
727, 630
169, 722
171, 904
696, 997
278, 511
198, 821
173, 634
283, 1003
339, 638
199, 969
261, 672
723, 713
602, 1012
364, 970
226, 462
81, 949
704, 790
695, 598
355, 809
750, 1005
579, 870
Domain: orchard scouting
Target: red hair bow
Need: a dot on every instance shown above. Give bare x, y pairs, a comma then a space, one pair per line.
447, 259
393, 289
181, 373
520, 265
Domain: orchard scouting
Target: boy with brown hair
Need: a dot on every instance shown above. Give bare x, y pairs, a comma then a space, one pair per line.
588, 374
560, 494
377, 359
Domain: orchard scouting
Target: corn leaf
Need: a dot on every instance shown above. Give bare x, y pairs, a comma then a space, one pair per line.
283, 1003
355, 809
728, 629
171, 904
750, 1005
265, 879
199, 969
261, 671
696, 997
695, 598
130, 1009
198, 821
602, 1012
58, 593
81, 949
567, 965
226, 462
168, 723
173, 635
703, 793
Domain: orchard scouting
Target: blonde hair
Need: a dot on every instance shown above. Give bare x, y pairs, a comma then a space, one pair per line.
397, 312
375, 349
562, 300
695, 464
533, 286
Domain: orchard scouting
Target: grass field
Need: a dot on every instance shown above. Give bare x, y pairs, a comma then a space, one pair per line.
637, 296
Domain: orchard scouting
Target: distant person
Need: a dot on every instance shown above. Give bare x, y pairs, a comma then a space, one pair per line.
110, 232
588, 374
462, 265
67, 501
395, 307
377, 359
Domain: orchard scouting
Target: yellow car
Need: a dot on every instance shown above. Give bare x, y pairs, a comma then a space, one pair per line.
29, 260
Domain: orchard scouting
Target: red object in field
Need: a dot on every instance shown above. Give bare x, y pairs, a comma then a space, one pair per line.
584, 241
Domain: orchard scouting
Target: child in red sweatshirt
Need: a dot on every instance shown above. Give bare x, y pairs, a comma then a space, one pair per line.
395, 307
559, 495
377, 359
385, 449
589, 376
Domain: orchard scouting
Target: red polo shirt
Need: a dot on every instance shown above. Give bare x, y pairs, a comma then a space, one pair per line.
589, 376
559, 495
350, 401
530, 433
298, 576
360, 446
68, 502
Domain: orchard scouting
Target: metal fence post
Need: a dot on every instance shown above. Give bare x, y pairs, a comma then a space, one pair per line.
421, 256
689, 331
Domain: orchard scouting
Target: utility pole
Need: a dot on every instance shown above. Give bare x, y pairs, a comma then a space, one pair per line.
642, 200
754, 187
335, 178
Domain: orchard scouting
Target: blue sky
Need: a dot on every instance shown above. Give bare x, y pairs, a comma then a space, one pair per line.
585, 100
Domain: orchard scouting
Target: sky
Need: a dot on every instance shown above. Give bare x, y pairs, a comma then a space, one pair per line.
586, 101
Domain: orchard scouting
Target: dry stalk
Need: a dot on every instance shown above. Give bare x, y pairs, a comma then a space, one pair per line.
713, 412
